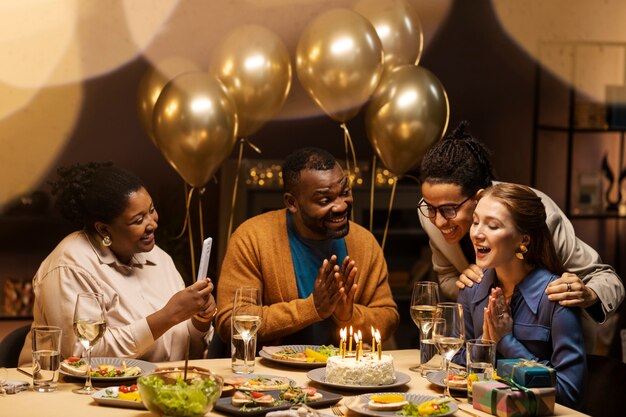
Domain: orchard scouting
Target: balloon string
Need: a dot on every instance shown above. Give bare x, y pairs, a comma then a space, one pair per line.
253, 146
372, 193
393, 193
347, 140
242, 141
200, 214
411, 177
345, 145
419, 55
186, 223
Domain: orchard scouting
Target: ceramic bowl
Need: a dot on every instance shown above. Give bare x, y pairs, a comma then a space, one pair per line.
166, 392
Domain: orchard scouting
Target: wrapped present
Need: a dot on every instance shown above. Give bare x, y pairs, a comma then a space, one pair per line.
507, 399
530, 374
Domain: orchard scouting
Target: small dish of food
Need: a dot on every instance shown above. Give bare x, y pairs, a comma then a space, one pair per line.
106, 369
126, 396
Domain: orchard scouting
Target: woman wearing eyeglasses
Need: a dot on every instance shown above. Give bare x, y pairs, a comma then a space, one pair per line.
451, 175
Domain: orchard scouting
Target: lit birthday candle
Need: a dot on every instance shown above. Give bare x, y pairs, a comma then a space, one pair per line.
373, 341
379, 345
350, 341
356, 345
360, 345
342, 342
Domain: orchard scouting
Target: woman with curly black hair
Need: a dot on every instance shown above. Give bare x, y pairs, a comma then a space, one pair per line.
149, 312
452, 174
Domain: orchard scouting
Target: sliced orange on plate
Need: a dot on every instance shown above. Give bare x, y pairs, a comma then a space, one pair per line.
387, 398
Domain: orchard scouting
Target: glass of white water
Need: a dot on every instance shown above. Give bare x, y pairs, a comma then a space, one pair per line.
46, 357
449, 334
480, 359
89, 327
247, 316
424, 299
429, 360
238, 355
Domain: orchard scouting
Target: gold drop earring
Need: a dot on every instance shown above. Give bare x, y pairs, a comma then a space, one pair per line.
521, 251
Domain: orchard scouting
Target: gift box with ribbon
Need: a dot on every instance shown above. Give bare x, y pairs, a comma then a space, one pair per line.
504, 398
530, 374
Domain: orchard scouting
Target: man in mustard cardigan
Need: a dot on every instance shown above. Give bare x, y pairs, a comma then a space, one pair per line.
317, 270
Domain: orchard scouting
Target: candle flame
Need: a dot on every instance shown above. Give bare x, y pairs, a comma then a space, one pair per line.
350, 341
356, 345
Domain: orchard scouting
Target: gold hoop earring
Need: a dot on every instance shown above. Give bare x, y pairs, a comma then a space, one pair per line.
106, 241
520, 252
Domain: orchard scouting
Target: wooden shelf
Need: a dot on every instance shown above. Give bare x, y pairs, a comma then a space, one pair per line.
566, 129
568, 125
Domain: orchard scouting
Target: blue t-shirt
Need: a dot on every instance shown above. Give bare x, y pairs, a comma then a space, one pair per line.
307, 256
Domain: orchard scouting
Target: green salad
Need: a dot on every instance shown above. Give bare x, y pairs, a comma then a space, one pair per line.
429, 408
328, 350
181, 399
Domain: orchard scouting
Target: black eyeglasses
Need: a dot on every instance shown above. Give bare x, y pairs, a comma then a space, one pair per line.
448, 211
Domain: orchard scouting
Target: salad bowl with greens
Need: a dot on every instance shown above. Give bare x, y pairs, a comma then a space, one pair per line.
168, 393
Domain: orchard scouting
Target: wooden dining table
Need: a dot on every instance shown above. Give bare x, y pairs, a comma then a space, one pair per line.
64, 403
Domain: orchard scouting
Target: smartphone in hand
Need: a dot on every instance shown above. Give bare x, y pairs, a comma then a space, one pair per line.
203, 267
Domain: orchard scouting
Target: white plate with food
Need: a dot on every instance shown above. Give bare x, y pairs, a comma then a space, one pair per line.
457, 382
319, 375
390, 404
122, 396
107, 369
299, 356
258, 382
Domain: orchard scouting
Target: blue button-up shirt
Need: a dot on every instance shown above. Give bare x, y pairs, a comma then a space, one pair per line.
543, 330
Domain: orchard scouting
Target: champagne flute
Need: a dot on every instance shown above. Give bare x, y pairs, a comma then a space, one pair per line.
424, 299
89, 327
448, 334
247, 316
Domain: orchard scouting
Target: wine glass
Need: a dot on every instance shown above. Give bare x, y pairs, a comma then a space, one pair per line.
247, 316
448, 334
89, 327
424, 299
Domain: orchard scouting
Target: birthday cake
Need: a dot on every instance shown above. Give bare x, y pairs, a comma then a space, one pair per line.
368, 370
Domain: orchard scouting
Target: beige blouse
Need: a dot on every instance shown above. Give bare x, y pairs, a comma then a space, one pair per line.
81, 264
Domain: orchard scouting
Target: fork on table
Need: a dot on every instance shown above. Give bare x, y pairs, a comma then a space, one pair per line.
337, 411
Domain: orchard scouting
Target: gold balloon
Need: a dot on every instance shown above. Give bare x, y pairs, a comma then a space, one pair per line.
407, 114
254, 66
398, 27
151, 85
195, 124
339, 62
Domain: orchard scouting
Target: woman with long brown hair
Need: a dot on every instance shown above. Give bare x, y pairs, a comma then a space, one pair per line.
509, 306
